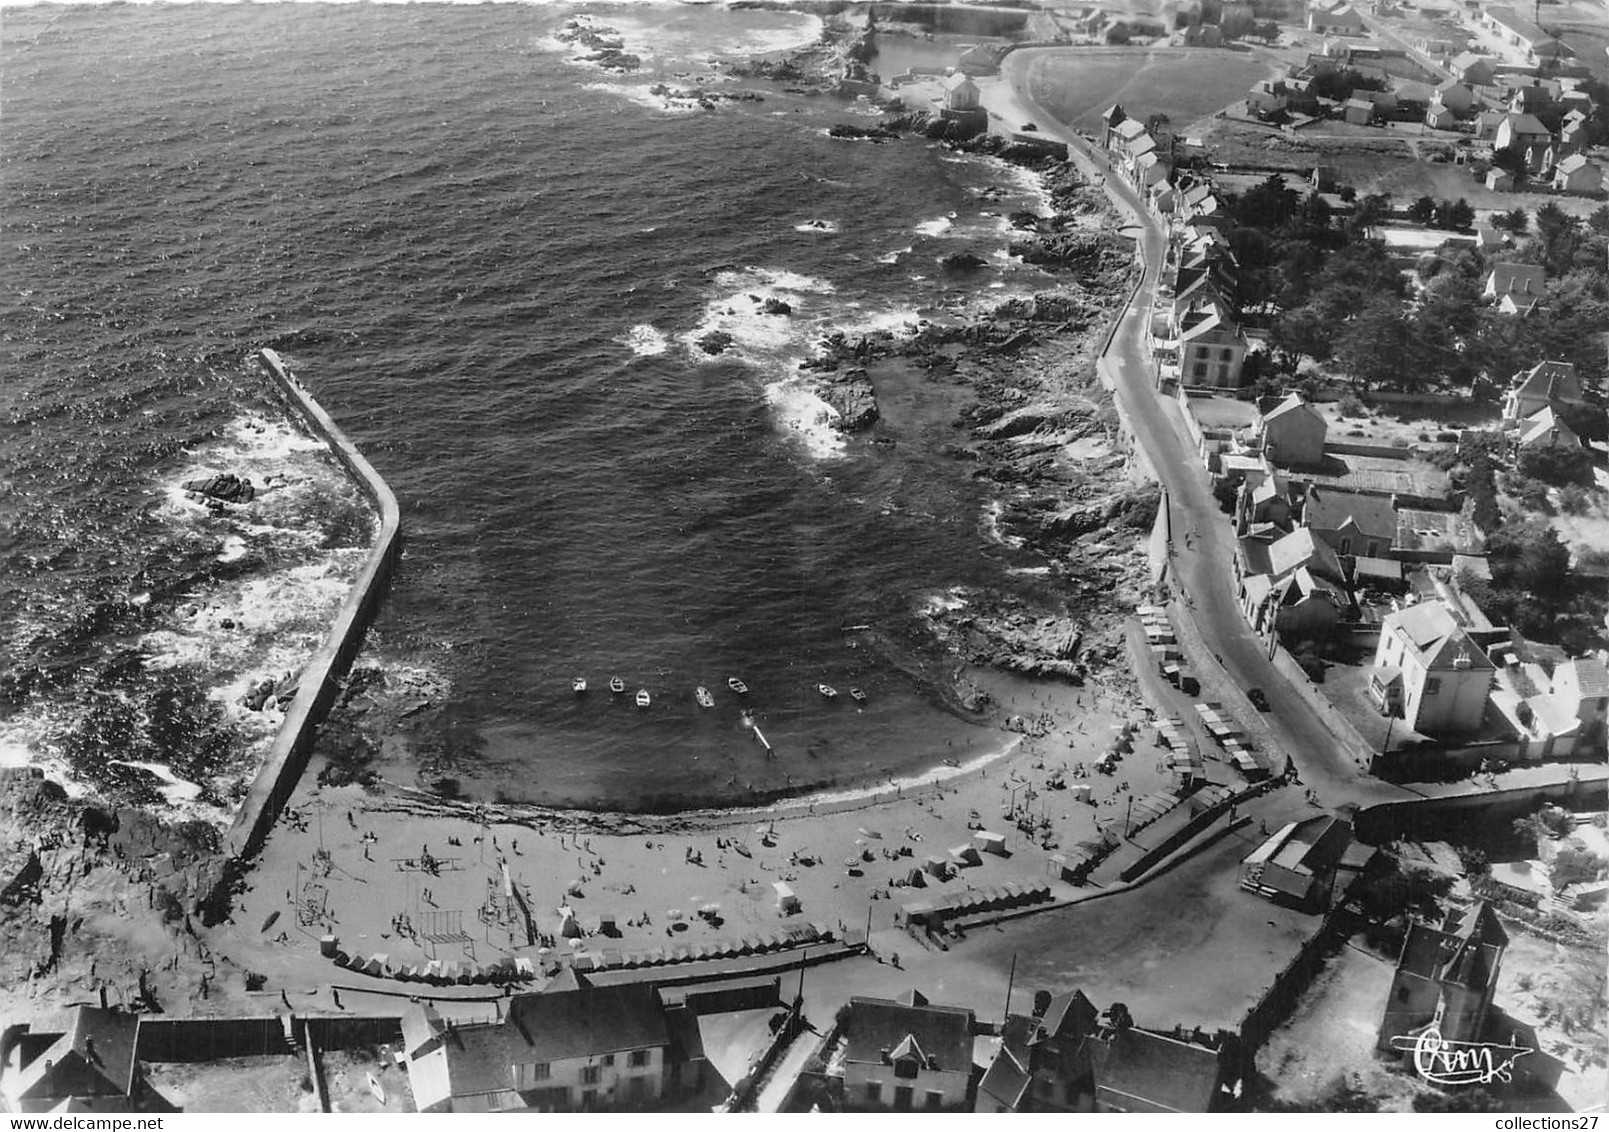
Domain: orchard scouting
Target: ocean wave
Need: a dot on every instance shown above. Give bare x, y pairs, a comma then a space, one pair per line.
644, 341
804, 415
895, 255
642, 96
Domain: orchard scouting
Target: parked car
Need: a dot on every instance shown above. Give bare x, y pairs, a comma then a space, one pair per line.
1258, 700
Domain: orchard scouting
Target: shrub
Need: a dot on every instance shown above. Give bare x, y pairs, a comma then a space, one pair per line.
1557, 465
1351, 406
1573, 499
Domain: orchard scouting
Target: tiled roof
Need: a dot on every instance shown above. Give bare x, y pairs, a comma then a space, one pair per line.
1159, 1071
879, 1024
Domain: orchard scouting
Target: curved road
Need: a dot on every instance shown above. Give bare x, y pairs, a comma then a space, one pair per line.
1202, 564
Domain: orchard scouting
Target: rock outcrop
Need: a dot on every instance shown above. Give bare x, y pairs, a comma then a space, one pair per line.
852, 396
224, 487
715, 342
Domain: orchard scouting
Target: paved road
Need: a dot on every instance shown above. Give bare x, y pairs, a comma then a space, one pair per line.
1203, 541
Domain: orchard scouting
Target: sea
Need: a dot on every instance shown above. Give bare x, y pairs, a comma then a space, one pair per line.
492, 263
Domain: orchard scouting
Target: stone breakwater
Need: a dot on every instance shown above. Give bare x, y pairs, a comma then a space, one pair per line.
320, 681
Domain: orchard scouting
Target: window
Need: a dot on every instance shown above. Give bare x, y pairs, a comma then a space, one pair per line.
906, 1068
1402, 994
935, 1099
537, 1071
1432, 685
639, 1058
608, 1059
1201, 369
1374, 548
874, 1092
1226, 354
1223, 375
589, 1097
590, 1074
1346, 546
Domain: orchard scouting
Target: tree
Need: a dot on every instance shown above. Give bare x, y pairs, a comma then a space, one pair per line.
1380, 346
1511, 160
1268, 31
1422, 210
1301, 332
1557, 464
1515, 221
1460, 215
1530, 575
1118, 34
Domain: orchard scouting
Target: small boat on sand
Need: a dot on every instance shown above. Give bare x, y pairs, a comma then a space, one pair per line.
857, 695
578, 685
828, 691
643, 699
737, 685
616, 685
702, 695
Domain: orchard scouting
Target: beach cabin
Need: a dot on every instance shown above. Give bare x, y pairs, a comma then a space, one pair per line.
990, 842
936, 867
787, 900
965, 857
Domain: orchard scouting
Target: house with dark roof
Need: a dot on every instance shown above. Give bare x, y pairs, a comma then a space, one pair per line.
1576, 174
1044, 1063
90, 1066
1428, 671
1526, 135
1445, 976
570, 1047
1515, 287
1546, 385
1297, 863
1351, 522
1292, 433
1338, 18
1146, 1071
905, 1054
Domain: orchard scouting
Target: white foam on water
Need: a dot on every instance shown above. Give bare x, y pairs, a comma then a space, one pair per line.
947, 602
643, 96
894, 256
803, 414
234, 548
935, 227
992, 512
644, 341
738, 309
821, 227
176, 790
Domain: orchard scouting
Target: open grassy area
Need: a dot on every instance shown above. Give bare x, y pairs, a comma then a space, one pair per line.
1184, 84
1371, 160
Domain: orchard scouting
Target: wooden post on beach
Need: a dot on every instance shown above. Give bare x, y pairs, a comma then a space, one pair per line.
1010, 979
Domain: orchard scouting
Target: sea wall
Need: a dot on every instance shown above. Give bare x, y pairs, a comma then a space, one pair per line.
321, 678
1459, 816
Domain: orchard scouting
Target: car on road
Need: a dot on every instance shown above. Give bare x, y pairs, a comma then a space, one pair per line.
1029, 128
1258, 700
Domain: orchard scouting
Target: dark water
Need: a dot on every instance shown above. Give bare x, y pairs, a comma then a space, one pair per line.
489, 264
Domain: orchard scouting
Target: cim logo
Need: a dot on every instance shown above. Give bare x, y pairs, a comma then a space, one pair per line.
1444, 1062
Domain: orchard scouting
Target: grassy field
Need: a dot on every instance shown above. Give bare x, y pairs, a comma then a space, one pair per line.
1371, 161
1183, 84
